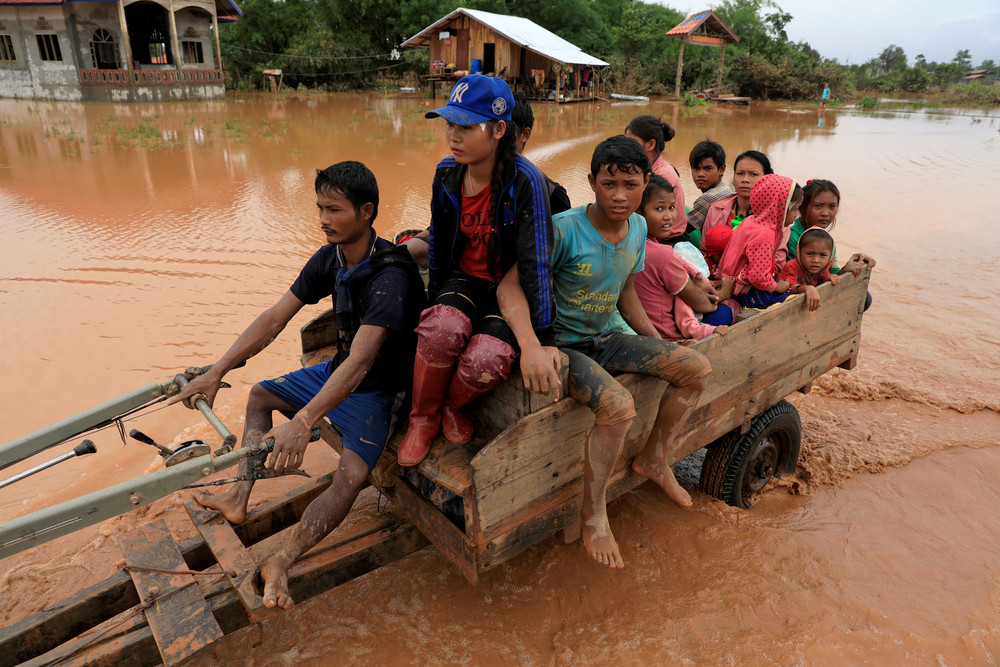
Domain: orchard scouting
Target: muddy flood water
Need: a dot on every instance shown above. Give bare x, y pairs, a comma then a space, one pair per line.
141, 239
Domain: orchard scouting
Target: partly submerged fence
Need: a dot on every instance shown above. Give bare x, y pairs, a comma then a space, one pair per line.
145, 77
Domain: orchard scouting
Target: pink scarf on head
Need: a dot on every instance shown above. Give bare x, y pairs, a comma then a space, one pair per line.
769, 201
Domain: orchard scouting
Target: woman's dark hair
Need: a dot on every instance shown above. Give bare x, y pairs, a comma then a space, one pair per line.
506, 151
620, 152
353, 180
650, 127
656, 182
812, 236
813, 188
759, 157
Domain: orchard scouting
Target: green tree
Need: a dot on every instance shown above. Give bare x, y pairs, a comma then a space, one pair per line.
915, 79
892, 58
963, 58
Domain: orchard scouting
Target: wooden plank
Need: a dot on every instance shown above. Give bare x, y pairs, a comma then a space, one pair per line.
136, 648
357, 551
535, 438
517, 473
319, 332
232, 556
715, 420
706, 40
558, 512
449, 540
509, 402
447, 464
58, 623
107, 644
180, 619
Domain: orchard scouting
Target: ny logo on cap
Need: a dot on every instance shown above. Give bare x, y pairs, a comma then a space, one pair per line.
457, 93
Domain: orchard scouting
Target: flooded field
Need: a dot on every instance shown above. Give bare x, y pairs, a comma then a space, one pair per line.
141, 239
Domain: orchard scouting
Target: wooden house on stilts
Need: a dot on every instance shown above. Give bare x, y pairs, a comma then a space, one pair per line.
535, 62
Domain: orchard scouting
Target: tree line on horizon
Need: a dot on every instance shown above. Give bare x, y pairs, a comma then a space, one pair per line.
344, 44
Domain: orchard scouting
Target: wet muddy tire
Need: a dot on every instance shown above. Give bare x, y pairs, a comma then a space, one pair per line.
738, 467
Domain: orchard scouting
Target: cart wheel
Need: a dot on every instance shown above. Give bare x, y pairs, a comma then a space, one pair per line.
738, 467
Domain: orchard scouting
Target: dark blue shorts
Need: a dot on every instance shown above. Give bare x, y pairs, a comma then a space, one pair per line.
364, 421
756, 298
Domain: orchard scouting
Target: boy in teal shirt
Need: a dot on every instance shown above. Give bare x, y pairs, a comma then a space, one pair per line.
598, 249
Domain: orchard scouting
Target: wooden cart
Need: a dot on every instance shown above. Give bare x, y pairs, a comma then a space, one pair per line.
519, 482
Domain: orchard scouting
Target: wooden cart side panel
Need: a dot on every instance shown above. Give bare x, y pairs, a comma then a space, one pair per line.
544, 451
782, 336
449, 540
712, 421
560, 511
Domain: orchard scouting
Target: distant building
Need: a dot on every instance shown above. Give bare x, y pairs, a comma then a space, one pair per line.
534, 61
980, 75
112, 50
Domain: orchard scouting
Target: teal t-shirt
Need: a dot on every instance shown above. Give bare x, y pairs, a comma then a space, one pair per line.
589, 272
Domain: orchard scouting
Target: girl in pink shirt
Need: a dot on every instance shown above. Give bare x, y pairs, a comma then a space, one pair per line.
664, 285
654, 134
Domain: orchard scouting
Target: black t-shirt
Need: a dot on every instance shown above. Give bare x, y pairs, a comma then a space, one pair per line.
383, 300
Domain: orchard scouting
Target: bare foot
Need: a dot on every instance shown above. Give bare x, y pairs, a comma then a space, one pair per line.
663, 475
600, 543
231, 504
275, 576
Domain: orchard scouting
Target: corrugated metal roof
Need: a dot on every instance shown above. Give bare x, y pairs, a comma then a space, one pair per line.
521, 31
714, 27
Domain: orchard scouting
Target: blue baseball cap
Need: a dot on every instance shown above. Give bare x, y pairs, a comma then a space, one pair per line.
476, 98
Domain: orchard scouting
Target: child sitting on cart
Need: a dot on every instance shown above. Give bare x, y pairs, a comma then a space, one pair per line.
811, 266
669, 288
598, 250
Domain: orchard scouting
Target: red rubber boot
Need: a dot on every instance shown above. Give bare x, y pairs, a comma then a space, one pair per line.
485, 363
429, 386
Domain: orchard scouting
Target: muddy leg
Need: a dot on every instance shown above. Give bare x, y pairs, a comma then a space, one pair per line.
323, 515
604, 446
232, 503
653, 461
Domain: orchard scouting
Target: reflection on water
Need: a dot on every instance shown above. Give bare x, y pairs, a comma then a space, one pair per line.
140, 239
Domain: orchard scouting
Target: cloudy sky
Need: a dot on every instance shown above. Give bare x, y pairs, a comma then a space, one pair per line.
856, 30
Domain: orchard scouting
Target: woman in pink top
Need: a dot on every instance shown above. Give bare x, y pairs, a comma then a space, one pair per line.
654, 134
748, 168
749, 260
667, 293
